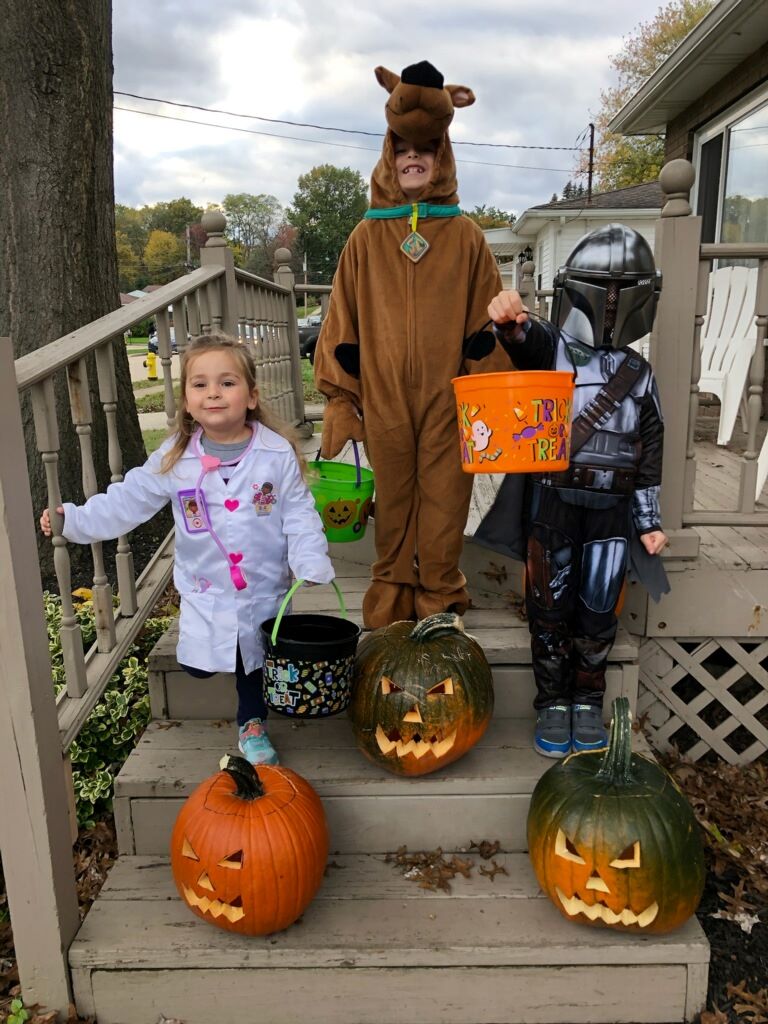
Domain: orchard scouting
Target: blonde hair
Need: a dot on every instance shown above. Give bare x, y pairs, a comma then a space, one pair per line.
241, 354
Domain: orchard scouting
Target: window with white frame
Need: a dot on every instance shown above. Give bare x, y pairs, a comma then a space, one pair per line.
731, 155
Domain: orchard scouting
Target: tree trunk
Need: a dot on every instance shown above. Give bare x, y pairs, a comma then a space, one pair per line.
58, 266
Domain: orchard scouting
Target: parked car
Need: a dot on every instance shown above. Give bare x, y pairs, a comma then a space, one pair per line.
152, 345
308, 335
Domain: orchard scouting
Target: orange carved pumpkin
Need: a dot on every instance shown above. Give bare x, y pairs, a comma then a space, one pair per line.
249, 848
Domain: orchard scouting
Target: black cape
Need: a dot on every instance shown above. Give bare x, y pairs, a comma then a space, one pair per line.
504, 529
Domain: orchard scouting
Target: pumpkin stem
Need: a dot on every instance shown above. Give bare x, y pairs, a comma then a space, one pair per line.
247, 781
437, 625
616, 765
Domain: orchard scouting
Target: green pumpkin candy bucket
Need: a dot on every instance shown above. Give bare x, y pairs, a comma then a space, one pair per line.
308, 660
343, 496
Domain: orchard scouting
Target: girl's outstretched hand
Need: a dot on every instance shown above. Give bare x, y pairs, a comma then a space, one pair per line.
45, 520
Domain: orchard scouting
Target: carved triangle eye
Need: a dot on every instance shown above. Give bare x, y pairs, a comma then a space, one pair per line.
564, 848
630, 858
234, 861
387, 686
444, 688
187, 851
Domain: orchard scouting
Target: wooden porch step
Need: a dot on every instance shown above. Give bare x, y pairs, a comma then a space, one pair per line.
374, 948
492, 621
483, 795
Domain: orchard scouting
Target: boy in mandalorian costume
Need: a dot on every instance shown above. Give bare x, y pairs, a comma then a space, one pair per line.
408, 303
582, 521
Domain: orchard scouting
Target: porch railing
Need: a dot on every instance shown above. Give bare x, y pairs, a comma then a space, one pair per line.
36, 729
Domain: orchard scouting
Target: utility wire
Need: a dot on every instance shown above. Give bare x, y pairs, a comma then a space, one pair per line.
322, 127
321, 142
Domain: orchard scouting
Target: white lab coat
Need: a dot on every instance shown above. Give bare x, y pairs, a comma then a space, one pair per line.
277, 531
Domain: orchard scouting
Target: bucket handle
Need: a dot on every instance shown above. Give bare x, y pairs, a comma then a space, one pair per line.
289, 595
359, 479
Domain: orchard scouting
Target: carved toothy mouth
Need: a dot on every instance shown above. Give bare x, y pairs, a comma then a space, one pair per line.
417, 745
598, 911
216, 908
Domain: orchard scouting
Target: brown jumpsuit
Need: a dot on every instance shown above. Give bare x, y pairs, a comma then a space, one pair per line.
410, 320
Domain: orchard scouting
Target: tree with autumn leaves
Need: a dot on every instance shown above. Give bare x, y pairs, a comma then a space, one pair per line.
619, 160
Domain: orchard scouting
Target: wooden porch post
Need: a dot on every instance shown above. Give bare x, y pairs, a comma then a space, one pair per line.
285, 277
34, 826
678, 237
216, 252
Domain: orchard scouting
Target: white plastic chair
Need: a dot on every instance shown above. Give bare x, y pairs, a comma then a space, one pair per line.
728, 337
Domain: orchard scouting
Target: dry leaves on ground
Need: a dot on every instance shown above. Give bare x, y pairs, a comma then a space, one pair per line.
431, 870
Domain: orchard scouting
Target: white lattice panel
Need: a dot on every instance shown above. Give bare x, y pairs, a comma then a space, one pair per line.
702, 696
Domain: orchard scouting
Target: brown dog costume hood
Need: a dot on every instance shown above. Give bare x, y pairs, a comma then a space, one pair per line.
419, 109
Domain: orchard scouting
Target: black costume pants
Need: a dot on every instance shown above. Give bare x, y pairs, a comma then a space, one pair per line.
576, 561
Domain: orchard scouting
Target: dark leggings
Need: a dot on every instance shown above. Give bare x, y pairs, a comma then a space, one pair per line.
250, 690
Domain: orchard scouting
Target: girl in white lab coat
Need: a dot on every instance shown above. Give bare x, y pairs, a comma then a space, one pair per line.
245, 521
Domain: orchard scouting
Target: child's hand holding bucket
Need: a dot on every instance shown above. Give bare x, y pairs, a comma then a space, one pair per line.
507, 307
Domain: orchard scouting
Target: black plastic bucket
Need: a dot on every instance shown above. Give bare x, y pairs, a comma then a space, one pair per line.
308, 661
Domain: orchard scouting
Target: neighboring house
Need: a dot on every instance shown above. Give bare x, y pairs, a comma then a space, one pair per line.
710, 99
547, 233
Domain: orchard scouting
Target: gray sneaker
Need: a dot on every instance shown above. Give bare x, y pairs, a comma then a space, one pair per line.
588, 729
552, 737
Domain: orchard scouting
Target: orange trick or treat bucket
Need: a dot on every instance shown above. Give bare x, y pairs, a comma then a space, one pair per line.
514, 422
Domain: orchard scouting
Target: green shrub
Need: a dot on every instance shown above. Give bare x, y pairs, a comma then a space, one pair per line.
117, 721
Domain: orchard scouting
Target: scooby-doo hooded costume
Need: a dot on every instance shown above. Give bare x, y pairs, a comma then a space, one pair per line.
399, 325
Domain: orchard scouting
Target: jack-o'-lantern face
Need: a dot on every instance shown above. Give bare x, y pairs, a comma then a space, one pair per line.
423, 695
338, 514
248, 848
613, 841
604, 889
222, 899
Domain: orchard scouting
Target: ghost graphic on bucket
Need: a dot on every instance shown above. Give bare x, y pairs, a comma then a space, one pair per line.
527, 415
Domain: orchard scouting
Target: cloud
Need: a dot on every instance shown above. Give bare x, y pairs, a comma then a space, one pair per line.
537, 74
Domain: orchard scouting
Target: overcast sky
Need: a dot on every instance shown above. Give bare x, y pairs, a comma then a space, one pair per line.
536, 68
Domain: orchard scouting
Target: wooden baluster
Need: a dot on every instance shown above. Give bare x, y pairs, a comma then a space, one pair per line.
180, 325
242, 317
105, 371
47, 436
702, 294
214, 304
285, 277
165, 353
193, 315
205, 313
748, 480
259, 346
80, 406
250, 318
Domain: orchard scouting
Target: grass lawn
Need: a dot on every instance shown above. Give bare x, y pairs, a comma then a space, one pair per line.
153, 439
311, 394
156, 402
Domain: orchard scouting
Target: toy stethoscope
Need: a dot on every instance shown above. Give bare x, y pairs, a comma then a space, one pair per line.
208, 463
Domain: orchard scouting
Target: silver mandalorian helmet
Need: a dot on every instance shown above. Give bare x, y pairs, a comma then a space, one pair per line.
606, 294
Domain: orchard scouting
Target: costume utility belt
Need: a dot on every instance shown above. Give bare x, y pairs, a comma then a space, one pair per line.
595, 478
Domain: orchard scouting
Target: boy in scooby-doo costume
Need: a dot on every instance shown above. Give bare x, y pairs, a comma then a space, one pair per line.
409, 298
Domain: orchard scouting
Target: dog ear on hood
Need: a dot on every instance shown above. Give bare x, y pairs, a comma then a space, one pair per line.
420, 107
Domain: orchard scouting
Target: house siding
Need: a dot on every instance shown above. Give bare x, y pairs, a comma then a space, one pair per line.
680, 132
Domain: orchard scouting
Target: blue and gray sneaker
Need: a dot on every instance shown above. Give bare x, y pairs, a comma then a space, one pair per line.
553, 731
254, 743
588, 730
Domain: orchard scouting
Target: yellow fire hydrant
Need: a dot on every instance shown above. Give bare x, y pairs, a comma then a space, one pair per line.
151, 364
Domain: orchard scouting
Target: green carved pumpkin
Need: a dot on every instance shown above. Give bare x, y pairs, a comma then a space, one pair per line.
613, 841
423, 694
